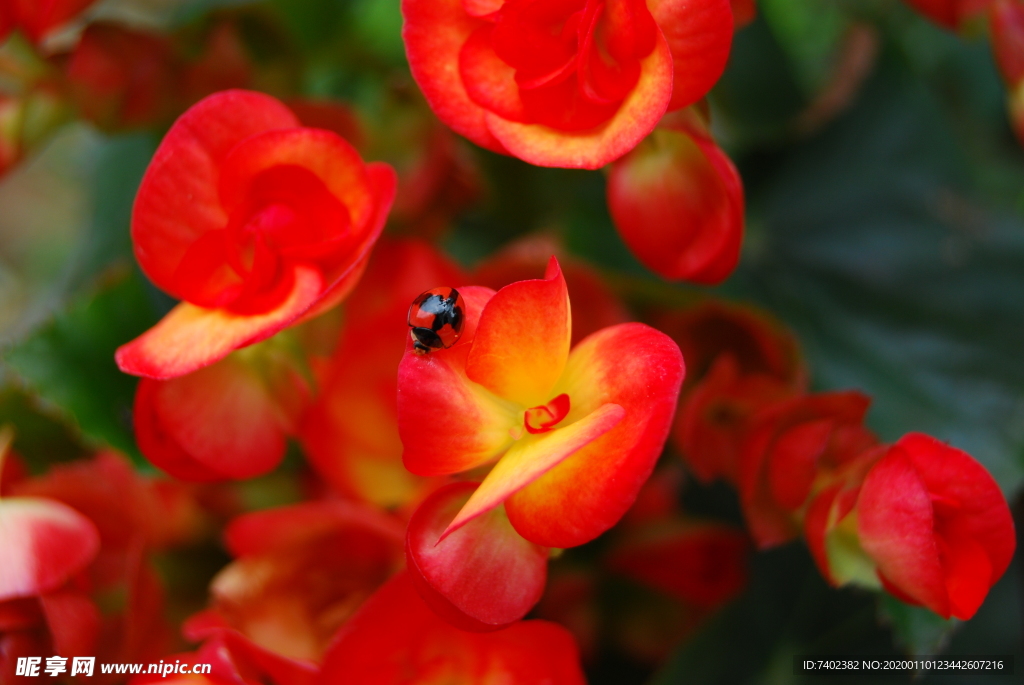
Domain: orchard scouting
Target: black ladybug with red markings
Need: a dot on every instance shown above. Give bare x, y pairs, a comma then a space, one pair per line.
436, 318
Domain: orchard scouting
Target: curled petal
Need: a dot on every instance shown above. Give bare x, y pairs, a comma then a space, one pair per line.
483, 577
896, 528
639, 369
44, 542
699, 33
523, 339
591, 149
434, 33
192, 337
178, 199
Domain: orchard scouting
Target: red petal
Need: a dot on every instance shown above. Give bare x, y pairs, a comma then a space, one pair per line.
74, 622
272, 530
639, 369
483, 576
351, 435
192, 337
434, 33
39, 17
699, 33
1007, 26
591, 149
488, 80
983, 514
758, 343
326, 161
532, 457
219, 422
522, 341
594, 304
896, 528
374, 647
44, 542
793, 462
770, 521
342, 278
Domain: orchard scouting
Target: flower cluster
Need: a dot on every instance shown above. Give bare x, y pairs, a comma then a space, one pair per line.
919, 518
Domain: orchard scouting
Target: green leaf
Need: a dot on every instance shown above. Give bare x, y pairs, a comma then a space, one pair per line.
917, 630
809, 32
899, 279
69, 362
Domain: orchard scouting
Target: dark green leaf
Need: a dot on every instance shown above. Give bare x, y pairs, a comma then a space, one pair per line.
70, 361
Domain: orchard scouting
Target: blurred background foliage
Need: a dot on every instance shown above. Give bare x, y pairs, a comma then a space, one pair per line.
885, 198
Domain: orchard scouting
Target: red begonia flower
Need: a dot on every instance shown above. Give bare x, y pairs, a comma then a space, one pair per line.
578, 470
937, 525
253, 221
395, 639
574, 83
788, 447
299, 572
350, 434
595, 305
225, 421
757, 342
677, 202
714, 416
738, 361
120, 77
702, 564
482, 577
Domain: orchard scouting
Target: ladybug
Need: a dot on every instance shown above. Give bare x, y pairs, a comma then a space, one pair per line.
436, 318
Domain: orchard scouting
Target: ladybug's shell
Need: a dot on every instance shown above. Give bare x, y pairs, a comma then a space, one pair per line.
437, 318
